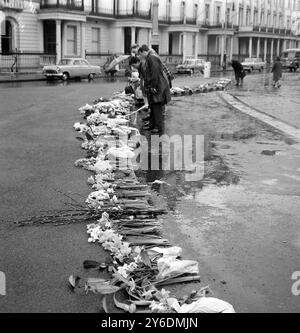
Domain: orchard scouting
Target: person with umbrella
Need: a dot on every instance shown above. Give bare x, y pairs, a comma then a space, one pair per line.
114, 66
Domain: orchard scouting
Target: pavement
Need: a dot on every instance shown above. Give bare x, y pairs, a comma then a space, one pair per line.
241, 222
282, 104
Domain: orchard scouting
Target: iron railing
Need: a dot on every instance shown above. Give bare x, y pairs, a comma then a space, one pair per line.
191, 20
63, 4
141, 14
16, 61
103, 12
17, 5
171, 20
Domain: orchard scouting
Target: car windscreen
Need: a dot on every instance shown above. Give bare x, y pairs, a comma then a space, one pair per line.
65, 62
248, 60
189, 62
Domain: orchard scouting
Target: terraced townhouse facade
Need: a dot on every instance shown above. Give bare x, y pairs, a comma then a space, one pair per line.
39, 32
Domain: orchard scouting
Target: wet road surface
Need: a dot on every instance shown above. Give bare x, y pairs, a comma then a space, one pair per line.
240, 222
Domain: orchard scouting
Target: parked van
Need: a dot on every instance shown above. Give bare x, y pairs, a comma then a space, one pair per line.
291, 59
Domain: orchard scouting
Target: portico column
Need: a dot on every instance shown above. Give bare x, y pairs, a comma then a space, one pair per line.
278, 47
223, 39
265, 49
272, 49
196, 45
82, 39
41, 31
250, 47
231, 47
258, 48
58, 40
149, 36
133, 35
284, 44
184, 46
64, 40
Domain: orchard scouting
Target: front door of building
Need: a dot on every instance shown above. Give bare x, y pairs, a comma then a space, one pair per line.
127, 40
49, 37
170, 44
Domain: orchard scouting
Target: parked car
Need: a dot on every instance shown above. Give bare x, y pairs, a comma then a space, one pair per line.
191, 66
69, 68
251, 64
291, 59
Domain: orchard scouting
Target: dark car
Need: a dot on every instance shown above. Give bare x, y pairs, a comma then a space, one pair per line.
290, 59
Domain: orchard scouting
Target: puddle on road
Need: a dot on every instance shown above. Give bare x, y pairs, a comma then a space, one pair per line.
234, 146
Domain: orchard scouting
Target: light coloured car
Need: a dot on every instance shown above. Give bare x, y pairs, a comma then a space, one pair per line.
191, 66
252, 64
69, 68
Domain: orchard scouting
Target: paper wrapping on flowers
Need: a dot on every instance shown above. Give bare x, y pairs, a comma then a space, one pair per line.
170, 266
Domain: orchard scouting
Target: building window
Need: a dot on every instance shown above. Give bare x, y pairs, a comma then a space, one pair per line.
96, 40
196, 11
182, 10
227, 15
218, 13
207, 12
72, 40
6, 39
241, 16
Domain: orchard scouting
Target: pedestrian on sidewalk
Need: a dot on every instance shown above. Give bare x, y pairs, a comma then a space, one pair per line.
277, 73
238, 71
156, 86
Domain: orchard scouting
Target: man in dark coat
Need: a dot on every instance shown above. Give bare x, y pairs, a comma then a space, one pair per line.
156, 86
238, 71
277, 73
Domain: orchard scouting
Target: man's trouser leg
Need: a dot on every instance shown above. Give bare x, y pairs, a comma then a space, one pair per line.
158, 116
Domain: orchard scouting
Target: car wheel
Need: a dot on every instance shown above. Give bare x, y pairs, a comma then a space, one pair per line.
65, 77
91, 76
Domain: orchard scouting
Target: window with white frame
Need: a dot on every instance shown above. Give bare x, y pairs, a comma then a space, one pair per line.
72, 40
207, 12
96, 40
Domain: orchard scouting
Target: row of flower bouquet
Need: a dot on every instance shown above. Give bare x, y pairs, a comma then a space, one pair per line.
142, 261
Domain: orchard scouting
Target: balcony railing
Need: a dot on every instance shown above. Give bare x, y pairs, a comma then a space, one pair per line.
103, 12
63, 4
168, 20
191, 20
12, 4
146, 15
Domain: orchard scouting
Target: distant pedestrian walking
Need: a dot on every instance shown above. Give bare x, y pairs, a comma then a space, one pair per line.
238, 71
277, 73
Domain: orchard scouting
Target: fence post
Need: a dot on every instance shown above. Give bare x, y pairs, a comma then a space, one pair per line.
16, 60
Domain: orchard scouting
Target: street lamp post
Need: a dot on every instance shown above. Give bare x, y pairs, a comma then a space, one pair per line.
222, 60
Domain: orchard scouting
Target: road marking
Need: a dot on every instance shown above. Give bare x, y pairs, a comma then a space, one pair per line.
287, 129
